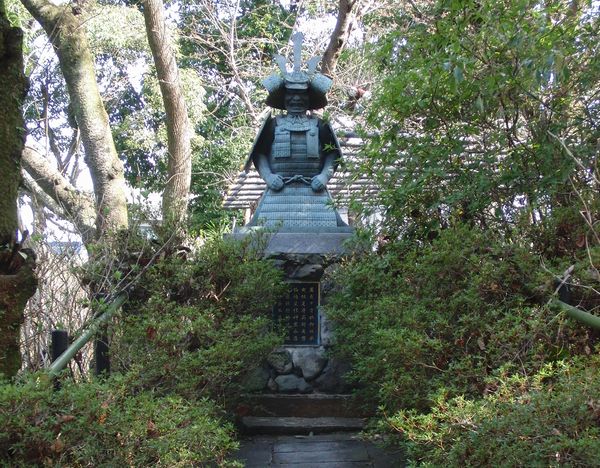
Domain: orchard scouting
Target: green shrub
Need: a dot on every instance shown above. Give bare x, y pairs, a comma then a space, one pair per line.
198, 324
189, 331
456, 343
549, 419
457, 315
105, 424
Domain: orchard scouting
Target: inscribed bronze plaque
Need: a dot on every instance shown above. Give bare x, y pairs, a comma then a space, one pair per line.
298, 313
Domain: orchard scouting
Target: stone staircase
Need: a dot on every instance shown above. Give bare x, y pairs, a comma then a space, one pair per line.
300, 414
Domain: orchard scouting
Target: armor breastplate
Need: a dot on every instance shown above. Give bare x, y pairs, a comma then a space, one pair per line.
295, 149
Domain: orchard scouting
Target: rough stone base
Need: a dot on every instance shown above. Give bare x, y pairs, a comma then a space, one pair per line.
299, 369
305, 369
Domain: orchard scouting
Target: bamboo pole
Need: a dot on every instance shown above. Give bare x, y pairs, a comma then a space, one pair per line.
580, 315
62, 361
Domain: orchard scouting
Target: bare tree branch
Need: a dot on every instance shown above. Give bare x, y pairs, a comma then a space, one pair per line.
79, 206
232, 61
46, 200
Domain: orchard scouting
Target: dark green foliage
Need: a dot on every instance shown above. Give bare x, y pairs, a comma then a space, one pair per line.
485, 114
106, 424
200, 322
190, 329
216, 161
459, 315
455, 319
484, 143
551, 418
264, 19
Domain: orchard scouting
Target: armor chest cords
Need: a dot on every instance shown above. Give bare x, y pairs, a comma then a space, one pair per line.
295, 149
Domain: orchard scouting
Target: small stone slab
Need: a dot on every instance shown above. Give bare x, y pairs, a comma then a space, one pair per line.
267, 425
310, 439
321, 243
297, 452
313, 405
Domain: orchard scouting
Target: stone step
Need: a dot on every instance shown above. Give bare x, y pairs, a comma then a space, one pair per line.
336, 450
299, 426
306, 406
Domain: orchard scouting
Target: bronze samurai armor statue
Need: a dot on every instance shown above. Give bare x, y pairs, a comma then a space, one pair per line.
296, 153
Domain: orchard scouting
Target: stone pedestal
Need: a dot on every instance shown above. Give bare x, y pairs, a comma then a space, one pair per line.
304, 257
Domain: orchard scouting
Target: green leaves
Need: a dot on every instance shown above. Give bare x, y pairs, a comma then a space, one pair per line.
189, 314
107, 423
469, 97
524, 421
440, 336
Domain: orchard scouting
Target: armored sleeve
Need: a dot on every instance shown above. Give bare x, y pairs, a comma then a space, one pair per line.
262, 142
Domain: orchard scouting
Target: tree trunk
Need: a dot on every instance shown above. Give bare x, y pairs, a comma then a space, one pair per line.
339, 36
179, 169
67, 34
78, 206
17, 279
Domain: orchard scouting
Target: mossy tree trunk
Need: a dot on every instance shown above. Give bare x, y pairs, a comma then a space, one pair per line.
17, 278
67, 34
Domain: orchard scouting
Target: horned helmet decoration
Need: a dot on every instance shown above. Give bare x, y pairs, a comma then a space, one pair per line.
314, 82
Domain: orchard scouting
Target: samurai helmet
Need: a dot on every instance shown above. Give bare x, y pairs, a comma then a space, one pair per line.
316, 84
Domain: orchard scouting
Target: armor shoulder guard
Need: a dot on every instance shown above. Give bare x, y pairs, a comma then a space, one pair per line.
256, 142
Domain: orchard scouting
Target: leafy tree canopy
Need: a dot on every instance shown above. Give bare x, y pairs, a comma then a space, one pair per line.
487, 112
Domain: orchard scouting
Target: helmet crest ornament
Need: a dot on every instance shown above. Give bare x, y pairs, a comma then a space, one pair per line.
297, 40
316, 84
